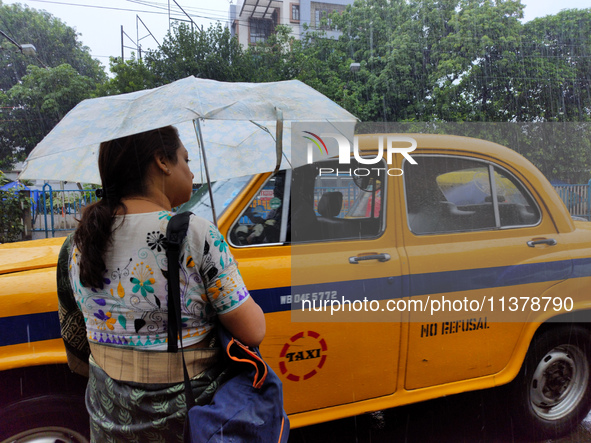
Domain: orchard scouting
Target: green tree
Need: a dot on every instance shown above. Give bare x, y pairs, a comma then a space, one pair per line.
473, 78
56, 43
128, 76
33, 99
421, 61
371, 29
554, 72
212, 54
324, 64
13, 206
38, 103
431, 59
272, 60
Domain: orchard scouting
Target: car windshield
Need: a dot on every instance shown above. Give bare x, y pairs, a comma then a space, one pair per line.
224, 192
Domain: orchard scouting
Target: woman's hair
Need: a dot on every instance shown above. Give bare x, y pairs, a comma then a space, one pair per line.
124, 164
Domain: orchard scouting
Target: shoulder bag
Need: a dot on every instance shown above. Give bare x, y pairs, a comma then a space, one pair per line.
246, 408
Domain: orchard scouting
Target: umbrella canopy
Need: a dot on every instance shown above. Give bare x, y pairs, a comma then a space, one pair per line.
237, 122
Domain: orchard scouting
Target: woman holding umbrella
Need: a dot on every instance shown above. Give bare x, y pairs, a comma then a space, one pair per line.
112, 287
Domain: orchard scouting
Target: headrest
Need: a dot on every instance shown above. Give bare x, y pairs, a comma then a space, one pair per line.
330, 204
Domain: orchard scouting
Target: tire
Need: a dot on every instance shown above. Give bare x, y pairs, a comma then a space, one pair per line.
59, 418
552, 393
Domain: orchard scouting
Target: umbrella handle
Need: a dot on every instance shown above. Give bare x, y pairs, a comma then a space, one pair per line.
199, 134
278, 139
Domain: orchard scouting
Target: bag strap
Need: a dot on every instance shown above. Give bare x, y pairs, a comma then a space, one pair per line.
175, 234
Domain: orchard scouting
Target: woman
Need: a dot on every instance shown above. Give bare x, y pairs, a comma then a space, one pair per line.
117, 272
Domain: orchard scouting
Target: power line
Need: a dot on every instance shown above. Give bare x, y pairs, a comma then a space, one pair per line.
202, 15
214, 13
117, 9
95, 6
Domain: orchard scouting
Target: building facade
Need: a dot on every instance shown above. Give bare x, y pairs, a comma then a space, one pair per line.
253, 21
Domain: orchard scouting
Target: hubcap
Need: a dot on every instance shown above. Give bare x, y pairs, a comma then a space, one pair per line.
559, 382
48, 435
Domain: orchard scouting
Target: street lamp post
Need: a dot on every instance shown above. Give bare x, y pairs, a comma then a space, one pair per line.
26, 49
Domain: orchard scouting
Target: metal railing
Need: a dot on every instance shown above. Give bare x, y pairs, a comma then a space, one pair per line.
577, 199
58, 210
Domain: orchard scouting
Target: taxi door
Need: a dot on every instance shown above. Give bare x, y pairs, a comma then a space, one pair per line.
479, 247
342, 252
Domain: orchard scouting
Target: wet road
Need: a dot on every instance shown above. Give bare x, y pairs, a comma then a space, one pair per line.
469, 418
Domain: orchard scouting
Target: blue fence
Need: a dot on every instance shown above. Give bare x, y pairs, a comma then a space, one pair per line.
55, 212
577, 199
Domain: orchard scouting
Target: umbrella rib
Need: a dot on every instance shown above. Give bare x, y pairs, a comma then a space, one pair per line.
211, 114
287, 160
264, 128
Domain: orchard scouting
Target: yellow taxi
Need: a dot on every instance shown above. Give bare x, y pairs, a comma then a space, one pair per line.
383, 285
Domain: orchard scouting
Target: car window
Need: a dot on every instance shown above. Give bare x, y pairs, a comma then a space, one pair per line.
224, 192
516, 206
261, 222
333, 202
452, 194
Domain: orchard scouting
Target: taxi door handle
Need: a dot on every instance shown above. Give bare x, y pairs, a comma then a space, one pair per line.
545, 241
378, 257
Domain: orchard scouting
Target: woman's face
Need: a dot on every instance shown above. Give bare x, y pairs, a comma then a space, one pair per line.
180, 183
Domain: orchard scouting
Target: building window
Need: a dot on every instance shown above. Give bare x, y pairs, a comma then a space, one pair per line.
321, 15
260, 30
295, 12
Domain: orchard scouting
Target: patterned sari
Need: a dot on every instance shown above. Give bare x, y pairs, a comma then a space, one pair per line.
132, 412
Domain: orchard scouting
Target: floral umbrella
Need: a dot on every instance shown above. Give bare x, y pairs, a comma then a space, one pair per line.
233, 129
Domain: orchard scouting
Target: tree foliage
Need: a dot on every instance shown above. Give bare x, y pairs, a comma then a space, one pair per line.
36, 92
129, 76
421, 60
55, 42
13, 206
35, 105
467, 60
555, 75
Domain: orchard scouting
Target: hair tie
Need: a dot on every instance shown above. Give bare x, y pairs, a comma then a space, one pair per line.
109, 193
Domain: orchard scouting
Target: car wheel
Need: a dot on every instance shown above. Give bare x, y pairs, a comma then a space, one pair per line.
50, 418
553, 391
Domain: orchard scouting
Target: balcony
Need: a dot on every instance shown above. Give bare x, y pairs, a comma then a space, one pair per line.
259, 9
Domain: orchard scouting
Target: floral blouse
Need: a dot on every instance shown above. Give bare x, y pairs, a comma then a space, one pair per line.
131, 308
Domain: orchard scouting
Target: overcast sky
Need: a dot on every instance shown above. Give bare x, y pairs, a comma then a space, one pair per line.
100, 21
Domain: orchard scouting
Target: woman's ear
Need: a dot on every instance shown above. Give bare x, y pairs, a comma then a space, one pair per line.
162, 163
